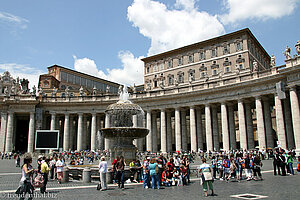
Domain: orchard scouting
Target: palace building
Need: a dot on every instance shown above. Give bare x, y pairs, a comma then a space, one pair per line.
219, 94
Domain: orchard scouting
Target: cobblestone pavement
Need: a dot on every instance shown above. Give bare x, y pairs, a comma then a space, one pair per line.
272, 187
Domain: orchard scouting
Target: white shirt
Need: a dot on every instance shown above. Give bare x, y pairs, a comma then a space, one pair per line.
103, 166
60, 166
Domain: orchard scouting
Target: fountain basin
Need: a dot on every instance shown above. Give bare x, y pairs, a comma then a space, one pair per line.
128, 132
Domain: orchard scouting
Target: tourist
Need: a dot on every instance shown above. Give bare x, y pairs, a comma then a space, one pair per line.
282, 164
226, 164
133, 170
18, 161
248, 170
25, 182
120, 166
165, 178
256, 167
175, 178
146, 173
220, 167
177, 161
59, 169
205, 171
154, 172
52, 164
102, 172
139, 171
214, 166
276, 163
44, 171
290, 162
114, 171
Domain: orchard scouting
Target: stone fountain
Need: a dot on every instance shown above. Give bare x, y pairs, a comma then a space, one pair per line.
125, 123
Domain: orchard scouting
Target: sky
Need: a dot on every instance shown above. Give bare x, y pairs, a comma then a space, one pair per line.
108, 39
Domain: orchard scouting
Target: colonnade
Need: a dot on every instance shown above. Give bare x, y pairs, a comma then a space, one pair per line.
245, 123
264, 121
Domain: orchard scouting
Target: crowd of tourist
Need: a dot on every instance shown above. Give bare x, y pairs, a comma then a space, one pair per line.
154, 170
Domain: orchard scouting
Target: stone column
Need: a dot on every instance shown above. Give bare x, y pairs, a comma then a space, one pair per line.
163, 130
288, 123
3, 131
107, 125
98, 131
225, 129
85, 132
149, 136
183, 130
215, 128
93, 131
199, 129
80, 132
10, 130
72, 134
30, 147
53, 122
249, 122
177, 129
154, 132
268, 124
208, 128
231, 121
260, 124
66, 144
169, 131
280, 123
193, 129
295, 116
242, 125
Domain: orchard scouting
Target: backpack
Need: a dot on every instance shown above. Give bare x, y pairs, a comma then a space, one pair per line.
226, 163
298, 166
38, 181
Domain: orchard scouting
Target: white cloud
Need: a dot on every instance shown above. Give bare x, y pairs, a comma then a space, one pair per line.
169, 29
22, 71
132, 70
257, 9
13, 20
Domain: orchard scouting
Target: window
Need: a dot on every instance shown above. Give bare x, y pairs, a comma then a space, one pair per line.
226, 59
46, 84
191, 58
155, 83
155, 68
148, 70
179, 61
63, 76
180, 77
227, 69
241, 66
214, 62
171, 80
202, 55
226, 49
213, 53
161, 66
239, 46
170, 64
203, 74
63, 87
215, 72
77, 80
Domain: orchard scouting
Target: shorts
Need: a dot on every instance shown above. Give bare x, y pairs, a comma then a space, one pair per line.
205, 185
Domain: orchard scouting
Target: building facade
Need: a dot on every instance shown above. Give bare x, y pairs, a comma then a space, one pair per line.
223, 93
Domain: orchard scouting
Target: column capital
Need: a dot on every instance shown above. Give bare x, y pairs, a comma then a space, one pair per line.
293, 88
258, 97
241, 100
52, 113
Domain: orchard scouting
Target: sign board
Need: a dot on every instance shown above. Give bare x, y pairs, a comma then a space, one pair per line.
46, 139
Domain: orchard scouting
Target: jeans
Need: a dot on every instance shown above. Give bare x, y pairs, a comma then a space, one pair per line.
45, 176
214, 173
146, 180
120, 177
155, 180
291, 168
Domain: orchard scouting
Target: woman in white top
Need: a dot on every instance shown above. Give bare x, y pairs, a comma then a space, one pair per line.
59, 169
25, 182
102, 172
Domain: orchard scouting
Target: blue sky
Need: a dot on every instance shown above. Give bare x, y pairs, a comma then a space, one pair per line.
108, 38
